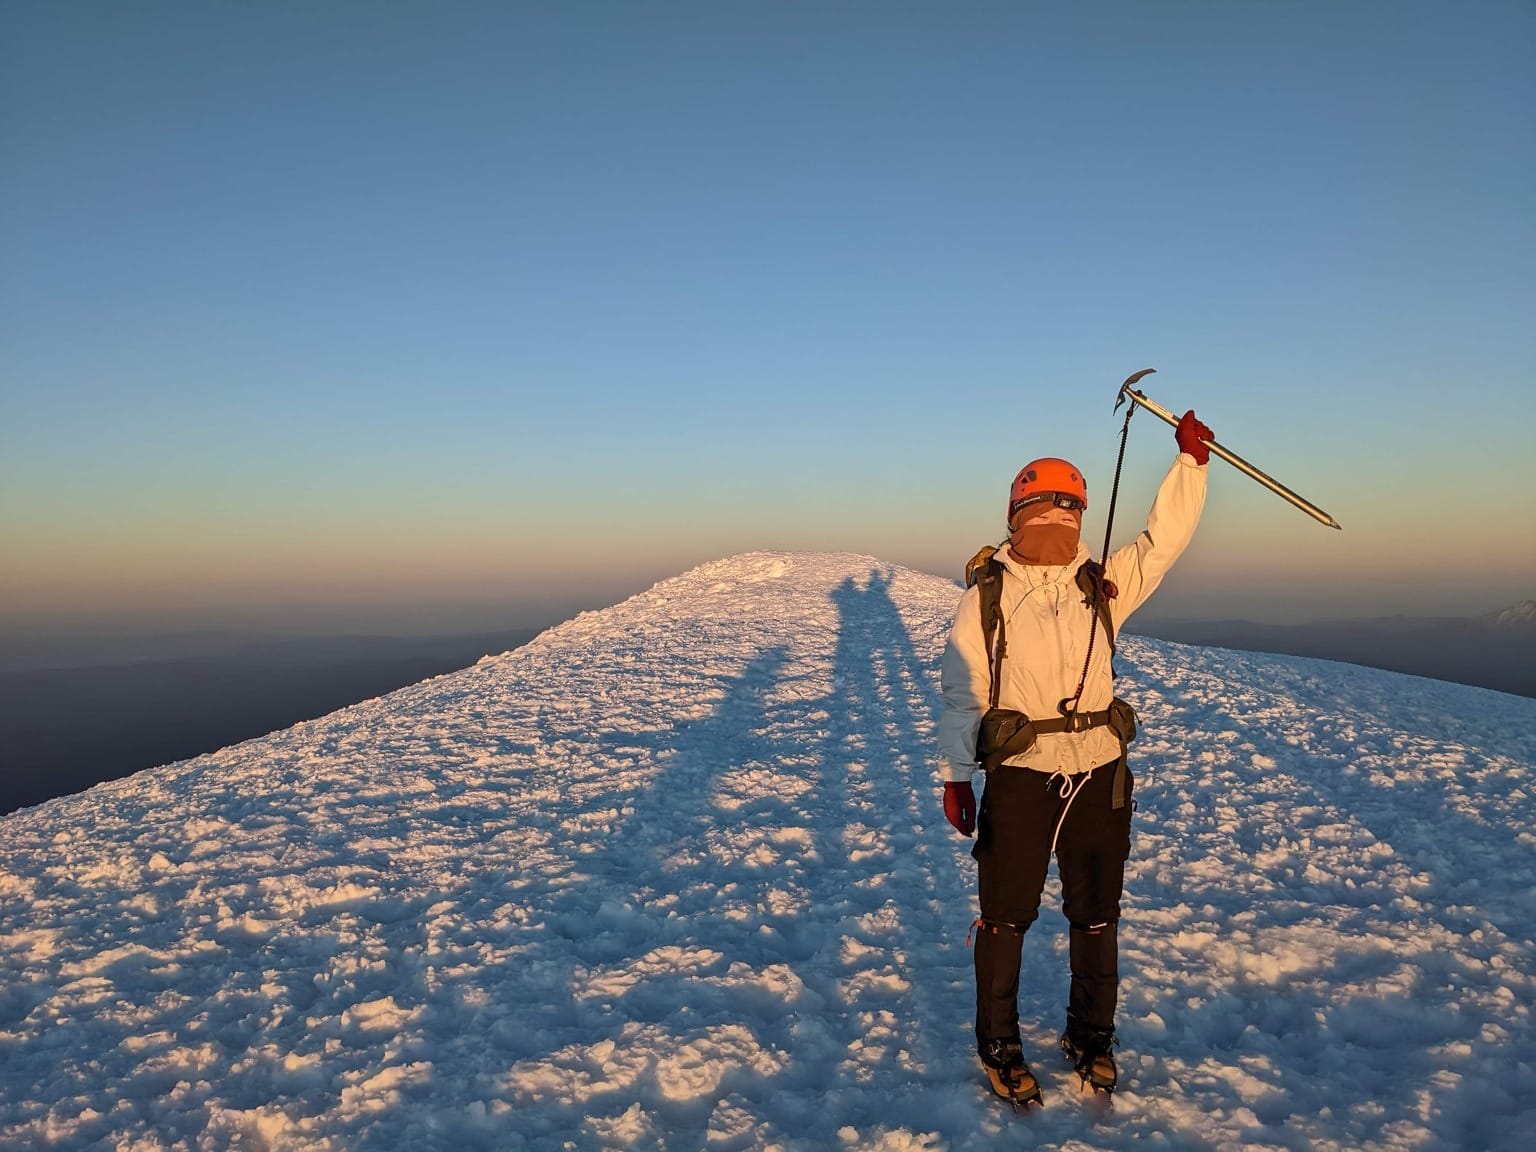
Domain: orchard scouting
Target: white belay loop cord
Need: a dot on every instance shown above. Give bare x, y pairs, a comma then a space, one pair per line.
1070, 787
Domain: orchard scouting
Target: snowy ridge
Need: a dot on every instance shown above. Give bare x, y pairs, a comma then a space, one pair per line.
674, 875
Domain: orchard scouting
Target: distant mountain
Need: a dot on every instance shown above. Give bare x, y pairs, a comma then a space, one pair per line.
674, 875
1521, 615
1496, 651
66, 727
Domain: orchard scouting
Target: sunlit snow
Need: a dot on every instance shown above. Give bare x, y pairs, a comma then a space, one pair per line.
675, 875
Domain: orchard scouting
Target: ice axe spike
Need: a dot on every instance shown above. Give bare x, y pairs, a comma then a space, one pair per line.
1129, 392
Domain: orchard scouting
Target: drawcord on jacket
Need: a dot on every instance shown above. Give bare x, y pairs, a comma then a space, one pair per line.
1070, 787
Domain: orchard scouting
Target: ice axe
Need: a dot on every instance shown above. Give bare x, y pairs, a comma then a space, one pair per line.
1128, 392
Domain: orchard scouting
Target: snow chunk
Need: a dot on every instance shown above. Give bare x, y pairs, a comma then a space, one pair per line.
382, 1090
681, 1067
381, 1015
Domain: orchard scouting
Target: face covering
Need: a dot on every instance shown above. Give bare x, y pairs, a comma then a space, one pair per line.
1046, 543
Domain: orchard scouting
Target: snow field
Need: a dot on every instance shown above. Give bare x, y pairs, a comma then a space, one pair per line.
674, 875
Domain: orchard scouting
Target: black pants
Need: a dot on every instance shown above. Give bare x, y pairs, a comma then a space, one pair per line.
1020, 809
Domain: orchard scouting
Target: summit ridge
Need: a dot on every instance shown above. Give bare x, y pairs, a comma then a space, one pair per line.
675, 874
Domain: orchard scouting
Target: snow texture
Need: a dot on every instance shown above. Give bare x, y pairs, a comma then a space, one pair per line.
675, 875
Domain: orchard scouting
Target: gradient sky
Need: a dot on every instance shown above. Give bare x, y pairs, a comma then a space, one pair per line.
404, 315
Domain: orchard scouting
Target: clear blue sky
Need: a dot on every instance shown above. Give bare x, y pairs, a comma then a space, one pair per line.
409, 315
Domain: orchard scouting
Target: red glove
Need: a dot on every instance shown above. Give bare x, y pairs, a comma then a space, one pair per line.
960, 806
1189, 433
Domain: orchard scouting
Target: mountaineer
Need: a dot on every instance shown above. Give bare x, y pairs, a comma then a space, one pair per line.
1029, 699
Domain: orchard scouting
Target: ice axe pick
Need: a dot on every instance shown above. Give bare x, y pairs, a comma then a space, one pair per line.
1128, 392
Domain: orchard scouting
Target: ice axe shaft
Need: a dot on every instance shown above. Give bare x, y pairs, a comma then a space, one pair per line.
1232, 458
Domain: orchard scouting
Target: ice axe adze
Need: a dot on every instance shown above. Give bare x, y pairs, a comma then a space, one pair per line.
1232, 458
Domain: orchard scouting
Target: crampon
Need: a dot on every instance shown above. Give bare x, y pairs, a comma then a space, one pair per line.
1009, 1075
1093, 1058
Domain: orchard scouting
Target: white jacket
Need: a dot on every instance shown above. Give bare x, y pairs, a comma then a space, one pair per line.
1047, 624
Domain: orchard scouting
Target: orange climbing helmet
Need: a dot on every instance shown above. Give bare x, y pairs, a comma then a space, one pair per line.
1048, 478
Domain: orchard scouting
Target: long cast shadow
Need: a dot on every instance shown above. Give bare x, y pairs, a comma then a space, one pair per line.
809, 864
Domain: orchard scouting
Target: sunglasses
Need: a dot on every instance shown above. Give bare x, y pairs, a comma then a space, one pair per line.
1057, 499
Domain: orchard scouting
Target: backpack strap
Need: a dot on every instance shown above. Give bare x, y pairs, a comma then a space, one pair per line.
986, 572
1098, 590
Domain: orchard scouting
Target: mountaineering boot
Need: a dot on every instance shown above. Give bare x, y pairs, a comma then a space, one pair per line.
1090, 1051
1010, 1076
